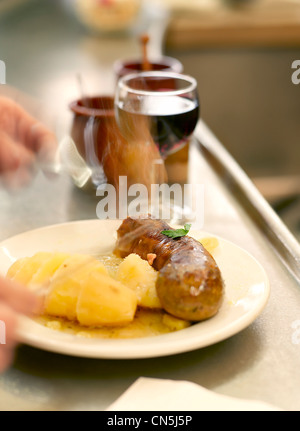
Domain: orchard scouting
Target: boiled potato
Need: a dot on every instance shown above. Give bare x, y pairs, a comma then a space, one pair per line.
23, 270
209, 243
174, 323
67, 283
79, 288
47, 270
105, 301
16, 266
137, 274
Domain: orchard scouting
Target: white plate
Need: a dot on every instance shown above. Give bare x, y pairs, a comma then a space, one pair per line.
246, 284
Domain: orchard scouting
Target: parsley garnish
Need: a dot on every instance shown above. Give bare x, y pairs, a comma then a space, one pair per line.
177, 233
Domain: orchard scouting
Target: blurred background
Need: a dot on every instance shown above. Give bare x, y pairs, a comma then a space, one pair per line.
240, 51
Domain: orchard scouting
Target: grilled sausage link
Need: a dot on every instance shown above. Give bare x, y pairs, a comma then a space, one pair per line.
189, 283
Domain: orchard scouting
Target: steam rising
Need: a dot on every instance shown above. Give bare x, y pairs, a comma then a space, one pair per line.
128, 151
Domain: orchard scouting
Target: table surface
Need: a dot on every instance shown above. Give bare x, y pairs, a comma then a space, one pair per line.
215, 23
261, 362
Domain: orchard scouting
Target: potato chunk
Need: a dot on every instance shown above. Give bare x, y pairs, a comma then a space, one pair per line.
15, 267
174, 323
209, 243
47, 270
105, 301
137, 274
23, 270
65, 286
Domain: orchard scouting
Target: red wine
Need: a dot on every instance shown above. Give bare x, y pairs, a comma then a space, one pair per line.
170, 121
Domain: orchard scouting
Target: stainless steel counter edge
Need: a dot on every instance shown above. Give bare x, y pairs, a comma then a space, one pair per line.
282, 240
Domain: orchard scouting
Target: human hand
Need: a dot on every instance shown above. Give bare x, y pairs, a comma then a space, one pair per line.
14, 300
24, 141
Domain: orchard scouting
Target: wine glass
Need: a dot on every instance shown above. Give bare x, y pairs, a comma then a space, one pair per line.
158, 109
165, 102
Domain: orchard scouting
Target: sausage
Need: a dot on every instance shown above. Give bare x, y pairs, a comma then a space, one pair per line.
189, 283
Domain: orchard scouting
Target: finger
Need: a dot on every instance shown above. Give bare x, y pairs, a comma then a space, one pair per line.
18, 297
46, 151
8, 325
35, 136
25, 129
17, 166
15, 180
45, 146
13, 155
6, 357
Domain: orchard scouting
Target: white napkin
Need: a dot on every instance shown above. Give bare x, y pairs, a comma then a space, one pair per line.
147, 394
